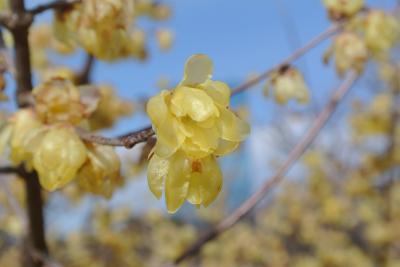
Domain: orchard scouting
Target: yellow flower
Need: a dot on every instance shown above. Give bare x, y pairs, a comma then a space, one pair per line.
58, 100
25, 136
99, 26
109, 109
381, 31
59, 157
343, 8
195, 116
101, 172
198, 181
350, 52
290, 85
165, 38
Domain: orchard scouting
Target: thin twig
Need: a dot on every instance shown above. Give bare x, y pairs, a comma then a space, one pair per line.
83, 77
59, 4
271, 183
129, 140
289, 60
142, 135
9, 170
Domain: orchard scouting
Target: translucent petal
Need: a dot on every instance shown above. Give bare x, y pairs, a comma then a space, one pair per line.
156, 174
194, 103
157, 109
206, 184
232, 127
225, 147
193, 151
177, 182
198, 69
58, 158
169, 137
218, 91
206, 139
24, 122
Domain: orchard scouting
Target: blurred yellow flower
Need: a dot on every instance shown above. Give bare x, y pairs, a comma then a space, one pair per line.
381, 31
101, 172
58, 157
288, 85
343, 8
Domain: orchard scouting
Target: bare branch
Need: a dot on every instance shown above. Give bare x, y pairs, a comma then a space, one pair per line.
131, 139
9, 170
34, 202
83, 77
271, 183
58, 4
289, 60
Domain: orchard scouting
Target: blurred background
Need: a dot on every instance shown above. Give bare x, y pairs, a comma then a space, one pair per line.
340, 204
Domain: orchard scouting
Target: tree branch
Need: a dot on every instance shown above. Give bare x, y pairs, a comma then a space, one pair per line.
270, 184
9, 170
83, 77
133, 138
36, 234
129, 140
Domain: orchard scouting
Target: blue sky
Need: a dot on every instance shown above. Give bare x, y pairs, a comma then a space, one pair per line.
241, 37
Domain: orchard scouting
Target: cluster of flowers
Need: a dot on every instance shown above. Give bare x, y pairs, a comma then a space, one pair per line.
370, 33
43, 137
105, 28
194, 125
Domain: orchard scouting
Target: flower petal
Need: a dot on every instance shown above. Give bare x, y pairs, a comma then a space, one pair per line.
194, 103
169, 137
206, 184
198, 69
157, 109
232, 127
218, 91
177, 182
156, 173
225, 147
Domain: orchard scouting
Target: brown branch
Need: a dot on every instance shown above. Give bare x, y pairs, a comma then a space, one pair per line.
9, 170
270, 184
22, 54
58, 4
142, 135
36, 233
83, 77
128, 140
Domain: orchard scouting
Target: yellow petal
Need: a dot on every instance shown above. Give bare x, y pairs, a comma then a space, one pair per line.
177, 182
156, 173
198, 69
205, 139
58, 158
225, 147
194, 103
101, 172
218, 91
232, 127
169, 137
157, 108
193, 151
206, 184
